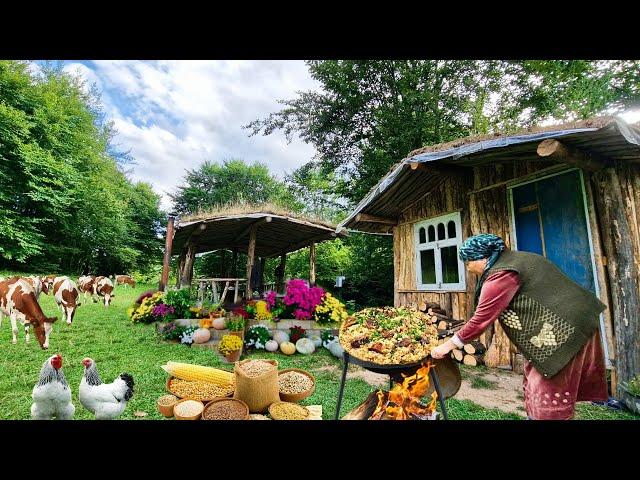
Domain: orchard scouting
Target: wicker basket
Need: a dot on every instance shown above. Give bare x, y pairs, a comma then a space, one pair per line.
235, 400
205, 400
166, 410
192, 417
297, 397
275, 417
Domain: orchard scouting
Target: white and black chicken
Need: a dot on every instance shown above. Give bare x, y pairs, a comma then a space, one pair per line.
106, 401
52, 394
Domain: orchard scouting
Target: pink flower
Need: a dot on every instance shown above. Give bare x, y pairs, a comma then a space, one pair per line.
304, 298
270, 297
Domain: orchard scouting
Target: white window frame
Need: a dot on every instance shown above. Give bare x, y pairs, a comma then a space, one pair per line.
436, 246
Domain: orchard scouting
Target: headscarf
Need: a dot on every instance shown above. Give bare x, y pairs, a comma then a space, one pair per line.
477, 247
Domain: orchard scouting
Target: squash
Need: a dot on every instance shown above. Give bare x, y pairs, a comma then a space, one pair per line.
219, 323
288, 348
317, 341
336, 349
271, 346
280, 336
201, 335
305, 346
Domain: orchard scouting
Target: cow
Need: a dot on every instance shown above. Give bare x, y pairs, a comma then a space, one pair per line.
85, 284
38, 285
18, 301
66, 294
104, 287
48, 282
125, 280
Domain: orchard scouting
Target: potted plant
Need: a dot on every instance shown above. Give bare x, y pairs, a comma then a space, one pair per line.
632, 394
231, 347
235, 325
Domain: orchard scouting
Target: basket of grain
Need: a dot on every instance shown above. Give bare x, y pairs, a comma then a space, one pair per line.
188, 409
197, 390
288, 411
226, 409
165, 405
295, 384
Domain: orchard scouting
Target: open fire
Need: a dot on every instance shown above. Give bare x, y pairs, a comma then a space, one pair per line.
403, 401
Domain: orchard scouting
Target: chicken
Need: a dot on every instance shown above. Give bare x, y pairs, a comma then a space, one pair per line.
106, 401
52, 394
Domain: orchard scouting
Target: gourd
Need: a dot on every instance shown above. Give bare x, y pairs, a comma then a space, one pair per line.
280, 336
288, 348
271, 346
317, 341
305, 346
336, 349
219, 323
201, 335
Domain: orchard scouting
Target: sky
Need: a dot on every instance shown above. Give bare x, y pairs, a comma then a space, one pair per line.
174, 115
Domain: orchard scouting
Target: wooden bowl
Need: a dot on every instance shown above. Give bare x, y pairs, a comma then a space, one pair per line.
204, 400
192, 417
166, 410
275, 417
235, 400
297, 397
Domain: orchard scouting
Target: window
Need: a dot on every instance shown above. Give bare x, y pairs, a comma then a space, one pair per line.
438, 267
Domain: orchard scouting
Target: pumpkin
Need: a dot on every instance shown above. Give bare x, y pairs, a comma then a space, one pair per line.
317, 341
288, 348
336, 349
201, 335
205, 323
280, 336
219, 323
305, 346
271, 346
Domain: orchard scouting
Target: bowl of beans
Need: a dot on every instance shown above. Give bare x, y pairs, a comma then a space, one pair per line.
226, 409
188, 409
165, 405
288, 411
295, 385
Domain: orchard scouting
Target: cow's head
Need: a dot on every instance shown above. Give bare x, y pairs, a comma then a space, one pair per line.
42, 330
45, 286
107, 298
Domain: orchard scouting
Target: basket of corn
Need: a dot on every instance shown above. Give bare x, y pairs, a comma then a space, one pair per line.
198, 382
295, 384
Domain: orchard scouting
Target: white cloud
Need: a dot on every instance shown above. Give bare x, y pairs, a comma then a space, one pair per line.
174, 115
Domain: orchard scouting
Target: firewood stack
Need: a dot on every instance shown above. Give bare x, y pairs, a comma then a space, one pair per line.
472, 353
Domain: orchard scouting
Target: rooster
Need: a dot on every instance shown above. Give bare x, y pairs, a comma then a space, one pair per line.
52, 394
106, 401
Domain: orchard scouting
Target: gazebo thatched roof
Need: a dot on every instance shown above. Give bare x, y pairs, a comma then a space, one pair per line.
227, 227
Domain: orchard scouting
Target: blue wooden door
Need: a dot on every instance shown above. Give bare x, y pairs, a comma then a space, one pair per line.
550, 220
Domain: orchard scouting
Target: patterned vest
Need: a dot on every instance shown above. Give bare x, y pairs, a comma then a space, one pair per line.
551, 317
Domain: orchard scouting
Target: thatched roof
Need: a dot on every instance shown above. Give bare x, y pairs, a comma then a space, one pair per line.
227, 227
609, 137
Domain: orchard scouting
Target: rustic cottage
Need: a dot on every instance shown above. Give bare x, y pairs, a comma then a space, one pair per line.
569, 192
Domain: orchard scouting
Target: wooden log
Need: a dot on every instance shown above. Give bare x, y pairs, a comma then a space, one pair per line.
425, 306
365, 409
250, 258
448, 324
474, 347
312, 264
472, 360
187, 274
363, 217
439, 316
518, 363
166, 261
561, 152
492, 356
457, 354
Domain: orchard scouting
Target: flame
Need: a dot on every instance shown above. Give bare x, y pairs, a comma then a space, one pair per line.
403, 401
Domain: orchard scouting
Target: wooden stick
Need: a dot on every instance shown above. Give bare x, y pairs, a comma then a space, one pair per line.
472, 360
457, 354
474, 347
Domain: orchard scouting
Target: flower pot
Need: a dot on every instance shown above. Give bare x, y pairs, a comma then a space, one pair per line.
219, 323
238, 333
234, 356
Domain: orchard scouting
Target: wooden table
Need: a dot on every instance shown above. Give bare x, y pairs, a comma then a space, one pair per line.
229, 284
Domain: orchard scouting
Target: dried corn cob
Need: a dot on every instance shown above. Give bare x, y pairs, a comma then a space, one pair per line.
187, 371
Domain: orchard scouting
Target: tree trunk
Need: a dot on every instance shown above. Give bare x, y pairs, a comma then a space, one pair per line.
187, 274
250, 259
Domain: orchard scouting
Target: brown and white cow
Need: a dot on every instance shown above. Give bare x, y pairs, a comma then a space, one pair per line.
125, 280
104, 287
85, 284
66, 294
38, 285
47, 282
18, 301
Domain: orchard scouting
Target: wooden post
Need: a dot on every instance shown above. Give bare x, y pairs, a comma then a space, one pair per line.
187, 275
250, 257
183, 256
312, 264
234, 263
280, 269
263, 260
164, 279
223, 263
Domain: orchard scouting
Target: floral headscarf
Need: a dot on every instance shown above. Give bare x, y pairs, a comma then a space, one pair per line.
477, 247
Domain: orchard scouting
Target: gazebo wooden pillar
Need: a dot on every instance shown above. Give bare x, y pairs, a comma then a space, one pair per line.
164, 279
312, 264
280, 269
250, 258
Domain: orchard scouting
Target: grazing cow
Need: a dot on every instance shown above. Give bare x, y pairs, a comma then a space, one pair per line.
104, 287
66, 294
18, 301
85, 284
48, 282
125, 280
38, 285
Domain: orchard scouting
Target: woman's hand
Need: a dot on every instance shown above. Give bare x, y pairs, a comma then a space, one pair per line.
442, 350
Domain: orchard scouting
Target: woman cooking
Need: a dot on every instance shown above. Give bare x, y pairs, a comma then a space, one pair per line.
552, 320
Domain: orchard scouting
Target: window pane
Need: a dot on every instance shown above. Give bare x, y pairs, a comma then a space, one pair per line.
432, 233
449, 256
422, 235
441, 233
451, 227
428, 266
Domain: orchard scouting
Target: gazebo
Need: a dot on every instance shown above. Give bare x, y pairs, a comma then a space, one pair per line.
260, 233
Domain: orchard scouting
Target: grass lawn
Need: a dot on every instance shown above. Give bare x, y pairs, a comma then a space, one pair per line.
107, 336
